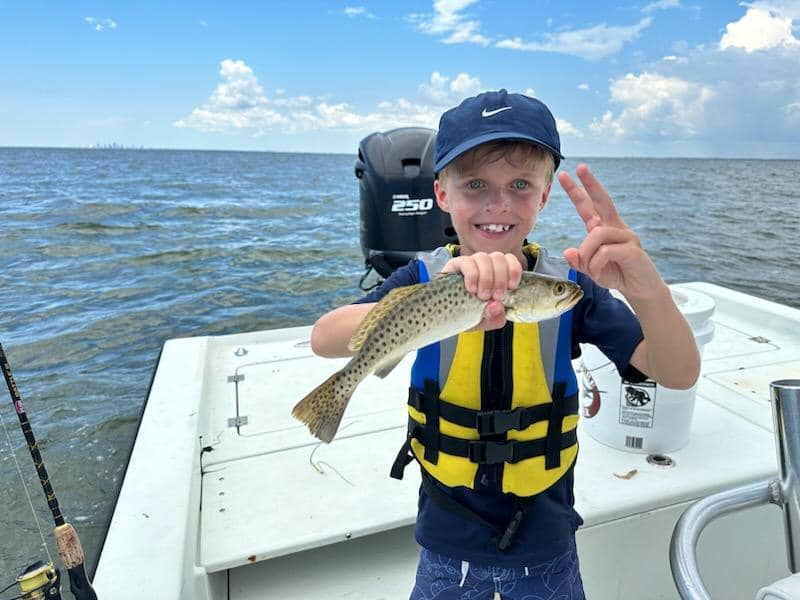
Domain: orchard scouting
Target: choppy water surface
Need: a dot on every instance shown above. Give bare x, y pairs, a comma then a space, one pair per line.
107, 254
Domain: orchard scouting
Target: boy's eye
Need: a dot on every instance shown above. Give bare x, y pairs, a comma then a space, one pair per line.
474, 184
521, 184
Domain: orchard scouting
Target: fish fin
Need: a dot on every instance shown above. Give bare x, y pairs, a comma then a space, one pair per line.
514, 317
373, 317
323, 408
387, 367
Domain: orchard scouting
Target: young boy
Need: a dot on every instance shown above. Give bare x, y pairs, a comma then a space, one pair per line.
493, 411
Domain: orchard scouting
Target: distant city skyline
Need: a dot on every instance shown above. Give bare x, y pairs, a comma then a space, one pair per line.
661, 78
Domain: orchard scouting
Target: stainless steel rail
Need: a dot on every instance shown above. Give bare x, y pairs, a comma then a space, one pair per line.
784, 491
786, 416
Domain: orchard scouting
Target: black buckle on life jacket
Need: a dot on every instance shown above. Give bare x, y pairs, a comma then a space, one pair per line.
491, 422
491, 453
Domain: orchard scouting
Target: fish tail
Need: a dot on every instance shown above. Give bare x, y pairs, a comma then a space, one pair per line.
323, 408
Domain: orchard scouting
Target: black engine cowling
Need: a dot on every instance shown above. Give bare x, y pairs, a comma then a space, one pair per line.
399, 214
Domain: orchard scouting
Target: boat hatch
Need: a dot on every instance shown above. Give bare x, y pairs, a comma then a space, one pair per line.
259, 480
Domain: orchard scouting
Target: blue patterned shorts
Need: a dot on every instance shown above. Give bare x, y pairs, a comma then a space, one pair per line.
443, 578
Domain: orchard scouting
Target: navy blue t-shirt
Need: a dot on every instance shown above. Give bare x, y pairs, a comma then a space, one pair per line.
550, 520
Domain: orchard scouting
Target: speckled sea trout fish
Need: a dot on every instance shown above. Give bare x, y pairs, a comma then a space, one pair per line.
411, 317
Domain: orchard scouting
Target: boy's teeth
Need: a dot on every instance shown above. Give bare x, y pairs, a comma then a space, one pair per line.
494, 227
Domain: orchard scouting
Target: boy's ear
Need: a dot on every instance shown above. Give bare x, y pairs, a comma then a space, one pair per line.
545, 196
441, 195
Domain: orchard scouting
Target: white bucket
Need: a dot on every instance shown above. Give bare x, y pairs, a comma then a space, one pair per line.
642, 417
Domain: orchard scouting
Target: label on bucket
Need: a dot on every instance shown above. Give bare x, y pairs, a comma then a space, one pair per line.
637, 403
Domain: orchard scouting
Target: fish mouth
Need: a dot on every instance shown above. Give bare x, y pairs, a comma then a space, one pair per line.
570, 300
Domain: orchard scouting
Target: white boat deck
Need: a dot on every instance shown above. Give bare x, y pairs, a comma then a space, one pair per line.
284, 516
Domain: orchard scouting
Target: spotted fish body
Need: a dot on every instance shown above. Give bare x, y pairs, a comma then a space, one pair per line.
411, 317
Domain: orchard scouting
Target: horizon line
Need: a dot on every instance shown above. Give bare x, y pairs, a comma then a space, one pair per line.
355, 152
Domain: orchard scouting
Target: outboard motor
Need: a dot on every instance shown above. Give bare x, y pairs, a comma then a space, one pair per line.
399, 214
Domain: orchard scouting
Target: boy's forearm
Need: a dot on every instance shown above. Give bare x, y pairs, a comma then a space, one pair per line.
669, 353
333, 330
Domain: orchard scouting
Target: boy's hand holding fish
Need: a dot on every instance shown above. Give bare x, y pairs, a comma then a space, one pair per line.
488, 276
414, 316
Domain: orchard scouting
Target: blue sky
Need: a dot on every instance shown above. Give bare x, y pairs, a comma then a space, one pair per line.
654, 78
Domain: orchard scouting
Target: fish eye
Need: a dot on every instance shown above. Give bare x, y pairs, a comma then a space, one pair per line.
560, 288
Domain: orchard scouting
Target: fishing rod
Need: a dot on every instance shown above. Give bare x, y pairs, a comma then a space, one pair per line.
42, 580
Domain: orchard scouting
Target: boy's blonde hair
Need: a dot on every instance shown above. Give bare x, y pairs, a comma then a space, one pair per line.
516, 153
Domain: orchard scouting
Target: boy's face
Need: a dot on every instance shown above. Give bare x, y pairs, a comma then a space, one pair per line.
493, 205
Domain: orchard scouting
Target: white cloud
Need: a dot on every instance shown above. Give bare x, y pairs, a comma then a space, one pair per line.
584, 87
100, 24
592, 42
448, 21
661, 5
358, 11
240, 90
443, 92
792, 112
239, 102
654, 107
739, 97
565, 128
296, 102
759, 29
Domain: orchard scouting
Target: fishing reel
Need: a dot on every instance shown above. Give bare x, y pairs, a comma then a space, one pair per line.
40, 581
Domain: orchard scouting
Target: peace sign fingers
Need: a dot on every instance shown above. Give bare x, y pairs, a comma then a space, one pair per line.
592, 201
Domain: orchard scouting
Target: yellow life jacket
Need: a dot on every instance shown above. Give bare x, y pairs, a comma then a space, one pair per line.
523, 418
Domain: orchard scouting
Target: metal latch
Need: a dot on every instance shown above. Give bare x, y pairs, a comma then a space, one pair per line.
237, 421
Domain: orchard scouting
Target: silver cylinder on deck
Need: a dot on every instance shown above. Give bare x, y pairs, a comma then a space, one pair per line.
785, 396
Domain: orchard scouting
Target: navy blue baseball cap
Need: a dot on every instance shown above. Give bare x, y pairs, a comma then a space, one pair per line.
494, 116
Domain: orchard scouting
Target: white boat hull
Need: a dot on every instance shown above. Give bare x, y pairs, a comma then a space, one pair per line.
276, 515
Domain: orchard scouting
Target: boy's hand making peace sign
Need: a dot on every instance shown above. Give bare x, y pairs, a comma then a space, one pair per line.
612, 256
611, 253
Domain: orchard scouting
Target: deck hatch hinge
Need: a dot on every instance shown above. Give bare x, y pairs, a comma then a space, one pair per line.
237, 421
236, 378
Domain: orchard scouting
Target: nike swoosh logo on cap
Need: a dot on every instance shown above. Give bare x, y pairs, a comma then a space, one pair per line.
489, 113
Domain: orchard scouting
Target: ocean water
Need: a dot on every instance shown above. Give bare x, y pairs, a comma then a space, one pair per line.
108, 253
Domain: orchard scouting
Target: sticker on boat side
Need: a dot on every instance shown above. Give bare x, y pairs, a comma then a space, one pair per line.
405, 206
637, 403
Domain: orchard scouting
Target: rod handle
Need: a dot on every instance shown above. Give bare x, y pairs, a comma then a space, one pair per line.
71, 552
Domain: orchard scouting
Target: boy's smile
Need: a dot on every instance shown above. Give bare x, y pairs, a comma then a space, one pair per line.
493, 206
